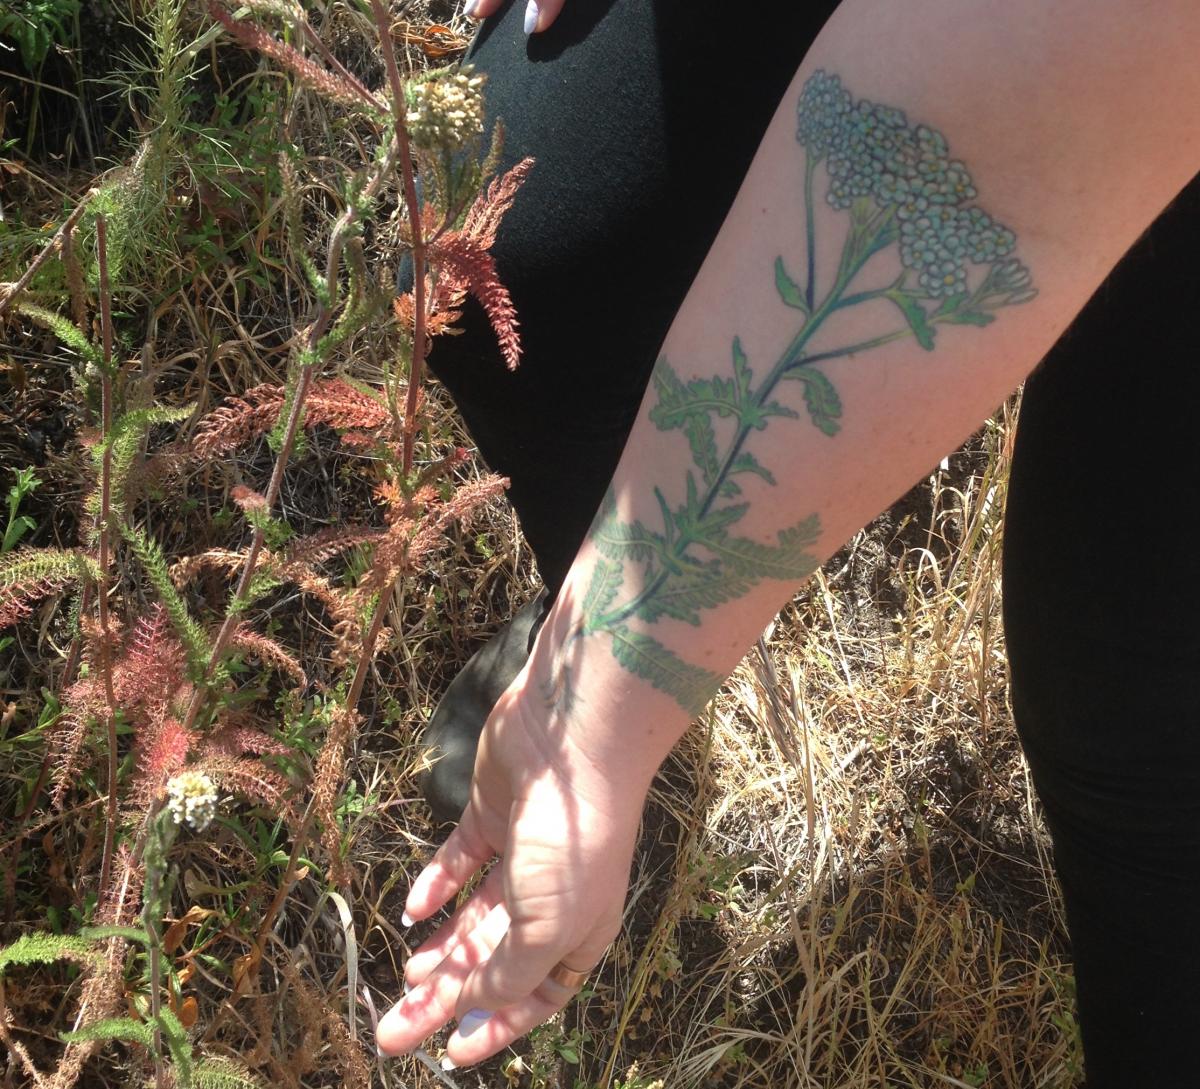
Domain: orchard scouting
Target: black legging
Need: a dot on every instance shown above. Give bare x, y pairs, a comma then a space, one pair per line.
643, 122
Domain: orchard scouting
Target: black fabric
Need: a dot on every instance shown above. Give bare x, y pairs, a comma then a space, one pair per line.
1102, 614
643, 124
643, 128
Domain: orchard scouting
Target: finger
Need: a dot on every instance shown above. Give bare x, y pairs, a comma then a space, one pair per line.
539, 14
450, 934
475, 1039
520, 964
457, 860
481, 9
428, 1007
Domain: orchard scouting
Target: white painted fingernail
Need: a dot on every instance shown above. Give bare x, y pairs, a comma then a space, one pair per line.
472, 1020
448, 1063
469, 8
407, 919
532, 14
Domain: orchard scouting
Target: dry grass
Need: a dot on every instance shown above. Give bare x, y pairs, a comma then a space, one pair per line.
843, 881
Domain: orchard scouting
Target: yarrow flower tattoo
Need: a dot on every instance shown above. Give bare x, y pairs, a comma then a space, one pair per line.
900, 188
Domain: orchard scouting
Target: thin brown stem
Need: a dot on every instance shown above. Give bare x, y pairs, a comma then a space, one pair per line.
413, 210
106, 423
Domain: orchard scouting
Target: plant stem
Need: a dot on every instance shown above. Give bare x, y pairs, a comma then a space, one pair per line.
106, 423
413, 210
810, 167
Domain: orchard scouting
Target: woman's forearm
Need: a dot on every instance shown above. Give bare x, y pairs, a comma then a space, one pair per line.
942, 188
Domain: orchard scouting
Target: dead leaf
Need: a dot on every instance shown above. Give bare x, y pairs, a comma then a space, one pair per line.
245, 971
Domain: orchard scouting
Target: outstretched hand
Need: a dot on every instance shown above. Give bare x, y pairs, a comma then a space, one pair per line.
539, 14
564, 832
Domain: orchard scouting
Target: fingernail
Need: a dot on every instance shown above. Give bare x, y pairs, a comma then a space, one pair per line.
407, 919
469, 8
408, 987
532, 13
448, 1063
472, 1020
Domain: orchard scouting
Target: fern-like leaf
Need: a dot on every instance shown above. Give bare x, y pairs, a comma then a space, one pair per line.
468, 266
330, 85
83, 704
690, 686
43, 948
28, 574
269, 652
65, 330
606, 581
491, 206
789, 561
152, 667
113, 1028
125, 441
223, 1074
178, 1045
163, 747
125, 933
685, 593
151, 557
250, 779
820, 398
237, 422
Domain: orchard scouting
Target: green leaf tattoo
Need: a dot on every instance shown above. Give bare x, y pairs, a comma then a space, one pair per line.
899, 188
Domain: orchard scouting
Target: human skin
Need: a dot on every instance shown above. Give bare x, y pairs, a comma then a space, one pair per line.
539, 14
1078, 122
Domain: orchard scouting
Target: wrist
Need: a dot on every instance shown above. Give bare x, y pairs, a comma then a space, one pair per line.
599, 722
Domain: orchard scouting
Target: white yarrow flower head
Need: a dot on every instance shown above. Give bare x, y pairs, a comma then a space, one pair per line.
192, 799
445, 110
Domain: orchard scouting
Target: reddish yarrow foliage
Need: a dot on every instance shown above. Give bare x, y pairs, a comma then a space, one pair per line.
240, 420
152, 668
163, 747
466, 266
268, 652
490, 207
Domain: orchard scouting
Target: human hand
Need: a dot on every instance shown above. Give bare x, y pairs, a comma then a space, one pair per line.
565, 833
539, 14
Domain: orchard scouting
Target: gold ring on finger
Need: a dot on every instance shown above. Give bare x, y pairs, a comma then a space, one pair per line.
564, 976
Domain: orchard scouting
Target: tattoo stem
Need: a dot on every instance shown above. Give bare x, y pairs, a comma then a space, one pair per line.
810, 167
858, 249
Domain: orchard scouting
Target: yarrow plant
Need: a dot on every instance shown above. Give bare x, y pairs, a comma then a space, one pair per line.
179, 702
899, 188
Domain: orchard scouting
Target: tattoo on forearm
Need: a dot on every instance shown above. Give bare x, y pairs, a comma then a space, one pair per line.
898, 186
